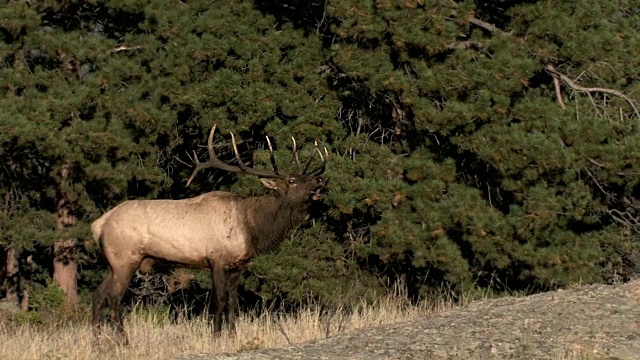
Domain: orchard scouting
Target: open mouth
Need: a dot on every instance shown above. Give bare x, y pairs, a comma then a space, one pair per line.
317, 193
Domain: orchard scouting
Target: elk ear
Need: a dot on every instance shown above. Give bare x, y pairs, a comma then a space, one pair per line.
269, 183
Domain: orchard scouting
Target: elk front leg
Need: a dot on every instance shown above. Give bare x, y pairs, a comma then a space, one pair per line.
218, 295
232, 298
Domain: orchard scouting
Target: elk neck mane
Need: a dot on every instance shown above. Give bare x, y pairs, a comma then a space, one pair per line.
270, 219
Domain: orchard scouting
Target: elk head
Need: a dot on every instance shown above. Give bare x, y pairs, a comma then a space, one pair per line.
302, 187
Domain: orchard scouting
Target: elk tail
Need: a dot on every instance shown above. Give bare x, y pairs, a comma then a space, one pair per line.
96, 227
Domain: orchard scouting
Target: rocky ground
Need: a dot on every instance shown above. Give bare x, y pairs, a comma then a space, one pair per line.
595, 321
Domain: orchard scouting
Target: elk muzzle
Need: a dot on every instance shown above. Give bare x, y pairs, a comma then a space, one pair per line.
317, 190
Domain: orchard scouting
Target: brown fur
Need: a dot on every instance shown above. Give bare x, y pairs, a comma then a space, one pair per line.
217, 230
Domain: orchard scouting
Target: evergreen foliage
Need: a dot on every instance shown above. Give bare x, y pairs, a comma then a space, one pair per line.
454, 160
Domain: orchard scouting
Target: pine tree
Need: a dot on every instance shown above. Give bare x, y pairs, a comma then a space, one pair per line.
473, 144
496, 181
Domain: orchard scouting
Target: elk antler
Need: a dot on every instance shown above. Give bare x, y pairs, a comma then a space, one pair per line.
217, 163
271, 156
320, 169
213, 159
252, 171
294, 154
323, 166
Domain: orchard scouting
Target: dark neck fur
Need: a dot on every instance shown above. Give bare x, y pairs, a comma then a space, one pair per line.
270, 219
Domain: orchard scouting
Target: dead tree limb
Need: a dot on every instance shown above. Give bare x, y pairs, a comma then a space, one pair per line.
483, 24
120, 48
479, 23
550, 68
556, 85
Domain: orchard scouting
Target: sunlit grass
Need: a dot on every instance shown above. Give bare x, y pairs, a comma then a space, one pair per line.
156, 334
153, 335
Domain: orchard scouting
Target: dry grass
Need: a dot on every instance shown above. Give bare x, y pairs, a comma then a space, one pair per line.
153, 336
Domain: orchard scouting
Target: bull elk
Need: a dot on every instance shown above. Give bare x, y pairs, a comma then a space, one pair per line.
218, 230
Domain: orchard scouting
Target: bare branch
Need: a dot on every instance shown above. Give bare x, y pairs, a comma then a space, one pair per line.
281, 328
550, 68
556, 85
483, 24
596, 163
477, 22
595, 180
120, 48
330, 316
324, 16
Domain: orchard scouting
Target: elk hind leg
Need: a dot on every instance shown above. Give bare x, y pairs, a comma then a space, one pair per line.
100, 299
122, 276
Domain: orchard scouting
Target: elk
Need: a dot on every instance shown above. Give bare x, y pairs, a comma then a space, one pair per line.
217, 230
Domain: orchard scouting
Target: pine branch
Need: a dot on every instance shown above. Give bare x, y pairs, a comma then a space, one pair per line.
464, 45
550, 68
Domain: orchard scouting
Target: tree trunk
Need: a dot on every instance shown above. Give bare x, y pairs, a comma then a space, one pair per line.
64, 269
11, 282
64, 250
26, 284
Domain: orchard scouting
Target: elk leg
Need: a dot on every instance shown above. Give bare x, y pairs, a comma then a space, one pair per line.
122, 276
100, 299
232, 299
218, 295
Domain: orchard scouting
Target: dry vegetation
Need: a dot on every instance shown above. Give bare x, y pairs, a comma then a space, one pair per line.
153, 335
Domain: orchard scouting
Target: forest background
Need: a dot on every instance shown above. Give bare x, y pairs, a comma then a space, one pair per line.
474, 145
